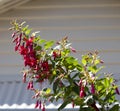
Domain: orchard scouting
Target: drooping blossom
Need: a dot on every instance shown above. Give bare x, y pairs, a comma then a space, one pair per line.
43, 109
24, 77
80, 83
117, 91
30, 85
37, 104
82, 93
13, 34
23, 50
73, 103
45, 65
73, 50
92, 88
40, 104
56, 54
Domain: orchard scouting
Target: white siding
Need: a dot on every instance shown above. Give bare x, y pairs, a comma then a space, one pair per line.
90, 25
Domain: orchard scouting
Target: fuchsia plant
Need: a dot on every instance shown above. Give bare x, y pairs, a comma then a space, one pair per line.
73, 81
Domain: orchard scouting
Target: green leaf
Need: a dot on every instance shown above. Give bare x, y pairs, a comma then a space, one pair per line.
109, 97
84, 62
48, 44
25, 28
27, 32
93, 69
41, 41
84, 59
97, 61
72, 60
36, 39
106, 82
48, 90
116, 107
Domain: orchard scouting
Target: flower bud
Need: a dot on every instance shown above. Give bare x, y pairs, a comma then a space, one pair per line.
37, 104
82, 93
13, 35
72, 49
92, 88
117, 91
43, 109
73, 104
24, 77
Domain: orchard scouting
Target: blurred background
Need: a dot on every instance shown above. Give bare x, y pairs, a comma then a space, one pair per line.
90, 25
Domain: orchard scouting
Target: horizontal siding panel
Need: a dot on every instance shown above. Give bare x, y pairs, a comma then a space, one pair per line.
5, 70
70, 2
5, 25
63, 12
35, 7
90, 25
111, 16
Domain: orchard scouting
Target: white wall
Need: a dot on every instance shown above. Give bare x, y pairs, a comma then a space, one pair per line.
90, 25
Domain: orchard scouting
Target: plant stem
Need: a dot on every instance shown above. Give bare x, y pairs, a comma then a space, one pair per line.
94, 107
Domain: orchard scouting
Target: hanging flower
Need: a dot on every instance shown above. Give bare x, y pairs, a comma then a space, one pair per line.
117, 91
24, 77
30, 85
82, 93
92, 88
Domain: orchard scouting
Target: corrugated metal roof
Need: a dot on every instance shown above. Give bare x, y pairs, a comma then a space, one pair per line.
15, 96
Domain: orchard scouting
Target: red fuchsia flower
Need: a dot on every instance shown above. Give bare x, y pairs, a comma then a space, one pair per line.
15, 40
56, 54
36, 95
33, 62
73, 103
29, 41
37, 104
92, 88
16, 48
13, 35
24, 77
82, 93
80, 83
23, 50
43, 109
40, 105
30, 85
45, 65
30, 61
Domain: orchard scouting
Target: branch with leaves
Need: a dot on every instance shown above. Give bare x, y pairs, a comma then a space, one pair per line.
76, 82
